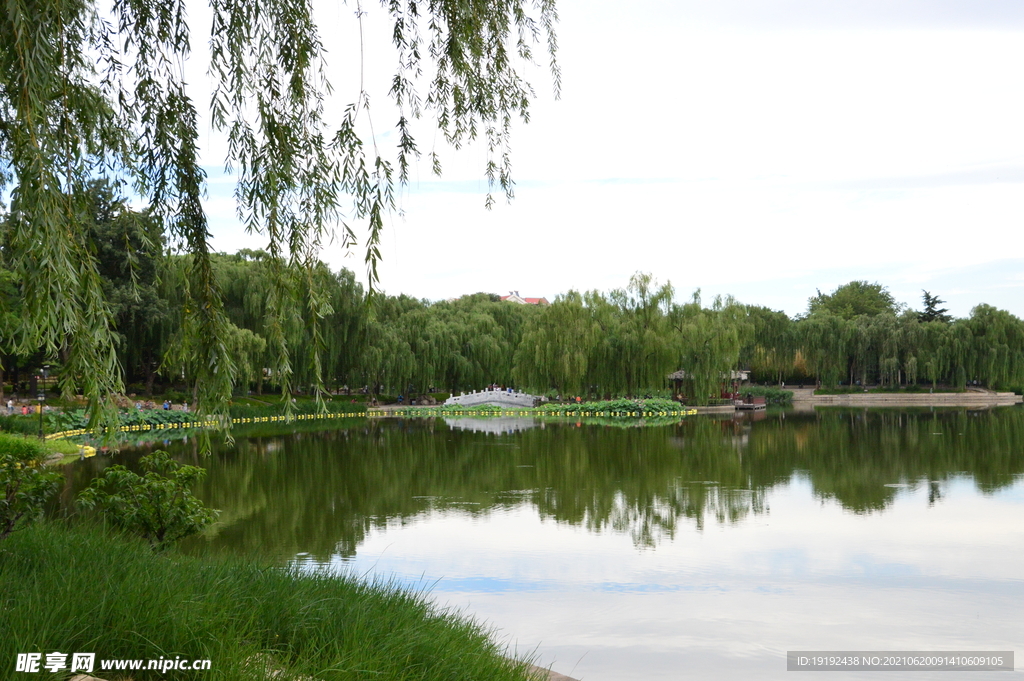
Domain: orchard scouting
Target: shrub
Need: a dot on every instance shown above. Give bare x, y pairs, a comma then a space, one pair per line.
483, 409
77, 418
24, 484
619, 406
28, 425
840, 390
158, 506
771, 394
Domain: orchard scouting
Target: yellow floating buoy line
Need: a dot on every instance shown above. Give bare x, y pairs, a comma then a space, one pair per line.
418, 413
209, 423
534, 412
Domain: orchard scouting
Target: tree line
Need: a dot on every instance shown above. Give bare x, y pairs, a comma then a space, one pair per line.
625, 342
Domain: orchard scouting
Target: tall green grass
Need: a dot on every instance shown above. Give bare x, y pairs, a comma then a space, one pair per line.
30, 448
23, 448
81, 589
26, 425
771, 394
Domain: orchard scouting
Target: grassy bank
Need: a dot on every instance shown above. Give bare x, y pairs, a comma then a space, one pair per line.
81, 589
31, 448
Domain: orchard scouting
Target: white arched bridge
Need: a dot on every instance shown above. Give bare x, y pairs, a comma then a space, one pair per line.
497, 397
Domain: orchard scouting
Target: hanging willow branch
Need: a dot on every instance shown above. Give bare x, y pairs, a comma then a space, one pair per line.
80, 97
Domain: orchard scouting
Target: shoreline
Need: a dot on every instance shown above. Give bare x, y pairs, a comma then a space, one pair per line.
804, 399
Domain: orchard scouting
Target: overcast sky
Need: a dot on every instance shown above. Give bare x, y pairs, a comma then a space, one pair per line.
763, 149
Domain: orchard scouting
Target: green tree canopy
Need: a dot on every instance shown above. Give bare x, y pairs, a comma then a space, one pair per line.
129, 252
557, 346
709, 343
853, 299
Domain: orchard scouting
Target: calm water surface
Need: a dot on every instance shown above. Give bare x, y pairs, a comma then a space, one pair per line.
701, 549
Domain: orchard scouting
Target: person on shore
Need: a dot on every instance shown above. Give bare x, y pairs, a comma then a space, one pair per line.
10, 406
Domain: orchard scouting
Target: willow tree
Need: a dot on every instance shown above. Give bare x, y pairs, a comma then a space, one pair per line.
708, 343
557, 347
863, 347
639, 348
346, 325
933, 350
997, 358
455, 345
89, 90
770, 351
491, 329
960, 348
387, 358
249, 282
824, 342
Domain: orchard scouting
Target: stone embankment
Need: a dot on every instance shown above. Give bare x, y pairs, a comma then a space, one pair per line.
977, 399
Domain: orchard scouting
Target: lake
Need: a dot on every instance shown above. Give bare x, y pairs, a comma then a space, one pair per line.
700, 549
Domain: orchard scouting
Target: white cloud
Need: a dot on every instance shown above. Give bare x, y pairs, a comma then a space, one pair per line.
730, 600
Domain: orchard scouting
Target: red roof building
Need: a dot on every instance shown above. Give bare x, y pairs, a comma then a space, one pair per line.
514, 297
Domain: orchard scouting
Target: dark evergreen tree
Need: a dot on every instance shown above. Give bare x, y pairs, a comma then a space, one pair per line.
932, 312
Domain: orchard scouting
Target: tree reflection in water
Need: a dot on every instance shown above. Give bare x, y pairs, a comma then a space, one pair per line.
320, 493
